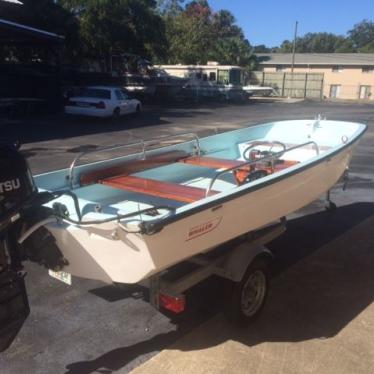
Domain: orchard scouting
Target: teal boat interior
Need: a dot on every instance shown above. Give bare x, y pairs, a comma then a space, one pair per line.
174, 174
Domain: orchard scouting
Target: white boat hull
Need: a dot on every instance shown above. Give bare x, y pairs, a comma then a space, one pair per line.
107, 253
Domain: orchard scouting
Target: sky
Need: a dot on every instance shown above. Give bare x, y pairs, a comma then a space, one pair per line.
270, 22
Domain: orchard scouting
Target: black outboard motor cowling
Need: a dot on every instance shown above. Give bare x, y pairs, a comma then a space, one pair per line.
16, 187
21, 207
16, 183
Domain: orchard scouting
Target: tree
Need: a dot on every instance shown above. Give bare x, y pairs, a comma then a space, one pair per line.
232, 51
346, 46
170, 7
223, 23
230, 46
320, 42
359, 39
189, 34
110, 27
197, 35
261, 48
362, 36
286, 47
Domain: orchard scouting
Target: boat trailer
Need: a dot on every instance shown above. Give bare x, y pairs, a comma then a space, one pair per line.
244, 261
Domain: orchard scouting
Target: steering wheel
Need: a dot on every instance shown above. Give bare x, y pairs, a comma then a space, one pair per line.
247, 153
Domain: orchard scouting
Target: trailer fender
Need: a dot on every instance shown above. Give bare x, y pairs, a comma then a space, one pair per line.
236, 264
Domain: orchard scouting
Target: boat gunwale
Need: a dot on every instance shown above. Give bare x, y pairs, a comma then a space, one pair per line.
154, 226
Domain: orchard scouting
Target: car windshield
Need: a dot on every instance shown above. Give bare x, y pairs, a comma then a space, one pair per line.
96, 93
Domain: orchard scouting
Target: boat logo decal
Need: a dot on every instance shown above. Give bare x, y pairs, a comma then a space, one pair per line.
203, 228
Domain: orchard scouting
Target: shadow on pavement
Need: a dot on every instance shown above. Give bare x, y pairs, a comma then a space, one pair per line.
205, 305
62, 126
309, 233
119, 357
320, 296
314, 299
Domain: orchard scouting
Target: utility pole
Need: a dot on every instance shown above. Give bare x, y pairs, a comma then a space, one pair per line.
294, 47
293, 58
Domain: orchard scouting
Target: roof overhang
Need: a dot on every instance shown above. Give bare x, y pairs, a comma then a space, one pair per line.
317, 59
16, 33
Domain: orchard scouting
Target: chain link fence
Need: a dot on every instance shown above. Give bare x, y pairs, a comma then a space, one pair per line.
299, 85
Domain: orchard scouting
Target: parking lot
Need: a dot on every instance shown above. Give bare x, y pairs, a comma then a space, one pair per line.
318, 318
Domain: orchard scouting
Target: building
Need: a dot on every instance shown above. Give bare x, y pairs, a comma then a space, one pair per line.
345, 75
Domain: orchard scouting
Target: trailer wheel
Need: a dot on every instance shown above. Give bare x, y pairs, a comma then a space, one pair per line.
246, 298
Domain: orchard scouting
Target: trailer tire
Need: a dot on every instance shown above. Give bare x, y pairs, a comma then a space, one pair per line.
245, 299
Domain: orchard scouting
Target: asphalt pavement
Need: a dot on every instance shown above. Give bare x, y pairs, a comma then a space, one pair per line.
319, 317
91, 327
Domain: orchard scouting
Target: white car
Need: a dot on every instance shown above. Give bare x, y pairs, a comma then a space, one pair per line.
102, 101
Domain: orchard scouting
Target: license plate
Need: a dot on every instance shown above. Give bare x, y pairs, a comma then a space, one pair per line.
83, 104
62, 276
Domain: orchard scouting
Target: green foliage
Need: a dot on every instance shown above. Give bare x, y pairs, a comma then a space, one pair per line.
286, 47
189, 35
170, 7
197, 35
161, 30
320, 42
362, 36
261, 48
166, 31
117, 26
359, 39
346, 46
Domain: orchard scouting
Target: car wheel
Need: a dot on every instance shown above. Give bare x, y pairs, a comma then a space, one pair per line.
116, 113
245, 299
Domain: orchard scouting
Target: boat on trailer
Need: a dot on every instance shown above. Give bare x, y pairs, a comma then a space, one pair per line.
125, 218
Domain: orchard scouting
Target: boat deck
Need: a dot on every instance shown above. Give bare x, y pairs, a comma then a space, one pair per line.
186, 193
184, 173
142, 184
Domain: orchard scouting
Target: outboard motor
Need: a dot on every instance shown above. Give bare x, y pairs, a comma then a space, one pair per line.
20, 208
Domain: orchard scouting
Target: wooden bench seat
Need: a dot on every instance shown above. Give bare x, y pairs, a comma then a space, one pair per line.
131, 166
167, 190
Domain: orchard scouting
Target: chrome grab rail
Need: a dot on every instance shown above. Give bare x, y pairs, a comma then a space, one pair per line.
110, 148
157, 141
251, 162
141, 142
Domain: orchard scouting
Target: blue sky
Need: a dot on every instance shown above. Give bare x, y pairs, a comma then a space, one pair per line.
270, 22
